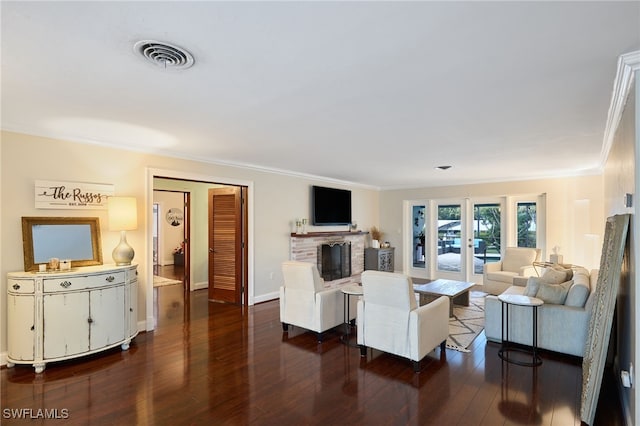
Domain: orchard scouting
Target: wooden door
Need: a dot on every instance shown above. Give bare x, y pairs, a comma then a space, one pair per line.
225, 244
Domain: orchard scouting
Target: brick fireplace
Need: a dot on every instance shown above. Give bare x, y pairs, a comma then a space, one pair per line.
305, 248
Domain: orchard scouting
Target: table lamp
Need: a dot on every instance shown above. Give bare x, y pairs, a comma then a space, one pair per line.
123, 217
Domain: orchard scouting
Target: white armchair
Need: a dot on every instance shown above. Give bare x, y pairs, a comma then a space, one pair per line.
304, 302
516, 262
390, 320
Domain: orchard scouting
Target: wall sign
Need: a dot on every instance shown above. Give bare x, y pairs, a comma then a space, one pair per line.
72, 195
175, 217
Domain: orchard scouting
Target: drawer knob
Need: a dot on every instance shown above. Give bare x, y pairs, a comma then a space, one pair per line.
65, 284
110, 278
89, 320
16, 286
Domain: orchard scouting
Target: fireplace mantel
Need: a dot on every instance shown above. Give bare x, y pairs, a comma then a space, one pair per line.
328, 234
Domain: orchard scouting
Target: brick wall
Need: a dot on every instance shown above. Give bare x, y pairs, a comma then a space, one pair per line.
304, 248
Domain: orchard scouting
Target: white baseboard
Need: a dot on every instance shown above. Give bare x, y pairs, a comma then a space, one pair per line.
201, 285
266, 297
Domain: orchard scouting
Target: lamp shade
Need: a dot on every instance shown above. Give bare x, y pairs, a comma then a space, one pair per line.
123, 213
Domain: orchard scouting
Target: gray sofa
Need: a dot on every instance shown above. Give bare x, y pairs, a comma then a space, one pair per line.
561, 327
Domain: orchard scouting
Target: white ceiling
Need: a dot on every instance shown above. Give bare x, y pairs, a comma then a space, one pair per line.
372, 93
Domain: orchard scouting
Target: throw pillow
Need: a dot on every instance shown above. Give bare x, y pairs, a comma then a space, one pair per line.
554, 276
568, 271
554, 294
531, 289
578, 295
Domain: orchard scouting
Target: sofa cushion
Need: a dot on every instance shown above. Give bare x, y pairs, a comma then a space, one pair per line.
531, 289
580, 290
578, 295
554, 294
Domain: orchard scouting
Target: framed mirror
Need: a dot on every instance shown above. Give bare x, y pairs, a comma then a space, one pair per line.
67, 238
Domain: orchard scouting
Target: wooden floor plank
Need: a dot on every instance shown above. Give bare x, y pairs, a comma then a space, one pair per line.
215, 363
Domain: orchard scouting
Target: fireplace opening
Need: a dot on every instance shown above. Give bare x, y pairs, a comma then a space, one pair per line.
334, 260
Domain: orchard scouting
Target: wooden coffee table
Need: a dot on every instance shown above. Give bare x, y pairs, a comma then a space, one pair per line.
457, 291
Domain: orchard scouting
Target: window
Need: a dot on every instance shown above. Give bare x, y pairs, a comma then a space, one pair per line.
527, 224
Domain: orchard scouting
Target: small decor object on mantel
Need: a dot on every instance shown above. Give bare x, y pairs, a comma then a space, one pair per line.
304, 226
376, 236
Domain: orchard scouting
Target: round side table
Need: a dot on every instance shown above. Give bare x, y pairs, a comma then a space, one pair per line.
348, 291
516, 299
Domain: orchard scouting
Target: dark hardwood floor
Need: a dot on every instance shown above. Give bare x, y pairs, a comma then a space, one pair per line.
213, 363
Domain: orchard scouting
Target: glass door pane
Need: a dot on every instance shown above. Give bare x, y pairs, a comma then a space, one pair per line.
418, 235
449, 237
486, 235
527, 225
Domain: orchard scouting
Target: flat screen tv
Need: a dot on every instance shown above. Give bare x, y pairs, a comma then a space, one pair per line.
330, 206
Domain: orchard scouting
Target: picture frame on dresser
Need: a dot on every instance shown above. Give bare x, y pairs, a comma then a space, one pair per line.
67, 238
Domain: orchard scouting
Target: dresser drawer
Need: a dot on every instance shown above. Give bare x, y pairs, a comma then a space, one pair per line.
20, 286
52, 285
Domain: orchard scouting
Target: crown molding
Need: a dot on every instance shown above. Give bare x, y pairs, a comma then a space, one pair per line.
628, 65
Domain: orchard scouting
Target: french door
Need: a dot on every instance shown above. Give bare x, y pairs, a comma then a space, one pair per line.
454, 238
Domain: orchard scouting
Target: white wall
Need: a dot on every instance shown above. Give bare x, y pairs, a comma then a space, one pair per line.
570, 202
620, 179
277, 200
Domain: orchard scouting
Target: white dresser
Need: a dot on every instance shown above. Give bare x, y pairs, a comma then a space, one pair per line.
63, 315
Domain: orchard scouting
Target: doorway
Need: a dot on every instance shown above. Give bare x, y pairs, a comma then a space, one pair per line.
197, 242
171, 269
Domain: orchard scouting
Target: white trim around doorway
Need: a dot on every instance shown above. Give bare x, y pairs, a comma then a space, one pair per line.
177, 174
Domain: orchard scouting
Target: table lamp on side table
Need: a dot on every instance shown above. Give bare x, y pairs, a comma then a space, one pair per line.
123, 217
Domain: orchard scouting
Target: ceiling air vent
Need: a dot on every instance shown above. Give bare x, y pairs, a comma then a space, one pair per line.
164, 55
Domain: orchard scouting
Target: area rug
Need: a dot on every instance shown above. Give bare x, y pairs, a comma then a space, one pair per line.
159, 281
466, 323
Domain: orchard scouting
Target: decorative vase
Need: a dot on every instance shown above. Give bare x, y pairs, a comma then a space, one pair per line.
375, 243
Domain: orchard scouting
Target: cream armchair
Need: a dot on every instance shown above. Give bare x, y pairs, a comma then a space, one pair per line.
390, 320
517, 261
304, 301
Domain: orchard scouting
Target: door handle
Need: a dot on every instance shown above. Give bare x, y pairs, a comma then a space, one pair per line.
211, 250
